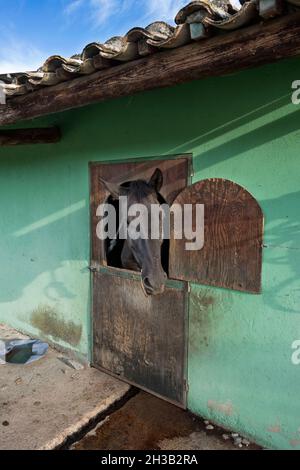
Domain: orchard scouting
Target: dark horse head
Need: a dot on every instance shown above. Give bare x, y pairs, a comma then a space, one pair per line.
143, 253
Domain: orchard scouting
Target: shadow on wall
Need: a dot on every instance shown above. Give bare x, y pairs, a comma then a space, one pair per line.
46, 252
282, 252
44, 242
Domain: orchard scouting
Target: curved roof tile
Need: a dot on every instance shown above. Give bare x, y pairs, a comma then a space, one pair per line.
244, 16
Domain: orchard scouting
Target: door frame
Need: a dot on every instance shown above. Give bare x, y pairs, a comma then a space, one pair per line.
182, 285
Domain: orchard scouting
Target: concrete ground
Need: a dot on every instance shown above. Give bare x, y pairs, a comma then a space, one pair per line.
49, 404
42, 404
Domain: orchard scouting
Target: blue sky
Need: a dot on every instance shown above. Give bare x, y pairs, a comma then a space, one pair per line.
32, 30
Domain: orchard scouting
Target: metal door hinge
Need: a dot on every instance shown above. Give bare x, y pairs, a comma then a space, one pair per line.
93, 269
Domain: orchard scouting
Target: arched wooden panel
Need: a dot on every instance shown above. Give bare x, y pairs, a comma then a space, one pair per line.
232, 253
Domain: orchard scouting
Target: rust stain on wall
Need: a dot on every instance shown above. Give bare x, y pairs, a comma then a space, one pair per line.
49, 323
201, 306
275, 428
206, 301
295, 442
224, 408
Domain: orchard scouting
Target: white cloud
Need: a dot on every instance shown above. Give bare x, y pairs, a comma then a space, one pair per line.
73, 6
100, 11
17, 55
97, 11
163, 9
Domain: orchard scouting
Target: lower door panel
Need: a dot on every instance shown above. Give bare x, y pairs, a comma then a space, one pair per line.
140, 339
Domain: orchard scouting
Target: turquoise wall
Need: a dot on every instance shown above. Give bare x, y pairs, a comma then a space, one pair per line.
241, 127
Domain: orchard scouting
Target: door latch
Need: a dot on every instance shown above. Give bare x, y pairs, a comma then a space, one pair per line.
93, 269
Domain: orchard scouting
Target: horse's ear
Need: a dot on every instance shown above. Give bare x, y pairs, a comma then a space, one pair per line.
113, 188
157, 180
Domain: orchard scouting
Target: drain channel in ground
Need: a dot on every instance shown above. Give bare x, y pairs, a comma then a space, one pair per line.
94, 422
144, 422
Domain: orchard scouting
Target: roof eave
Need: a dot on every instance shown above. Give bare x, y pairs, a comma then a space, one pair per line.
252, 46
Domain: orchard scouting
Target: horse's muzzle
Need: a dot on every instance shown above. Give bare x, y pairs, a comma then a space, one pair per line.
154, 287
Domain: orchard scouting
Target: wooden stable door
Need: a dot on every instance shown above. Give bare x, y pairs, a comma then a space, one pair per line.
141, 340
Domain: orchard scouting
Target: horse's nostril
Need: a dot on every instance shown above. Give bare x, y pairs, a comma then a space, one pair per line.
152, 287
148, 286
147, 283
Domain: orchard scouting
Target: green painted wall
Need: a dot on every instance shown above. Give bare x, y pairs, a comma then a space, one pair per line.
241, 127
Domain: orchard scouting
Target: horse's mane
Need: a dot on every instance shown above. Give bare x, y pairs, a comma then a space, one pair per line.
140, 189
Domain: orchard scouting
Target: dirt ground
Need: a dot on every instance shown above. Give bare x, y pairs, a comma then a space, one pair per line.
147, 423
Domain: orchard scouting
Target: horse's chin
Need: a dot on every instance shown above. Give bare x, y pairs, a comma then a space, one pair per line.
157, 292
149, 291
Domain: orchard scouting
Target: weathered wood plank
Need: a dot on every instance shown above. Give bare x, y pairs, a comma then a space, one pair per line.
249, 47
232, 254
141, 339
47, 135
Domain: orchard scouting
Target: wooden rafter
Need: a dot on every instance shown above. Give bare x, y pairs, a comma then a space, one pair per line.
47, 135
